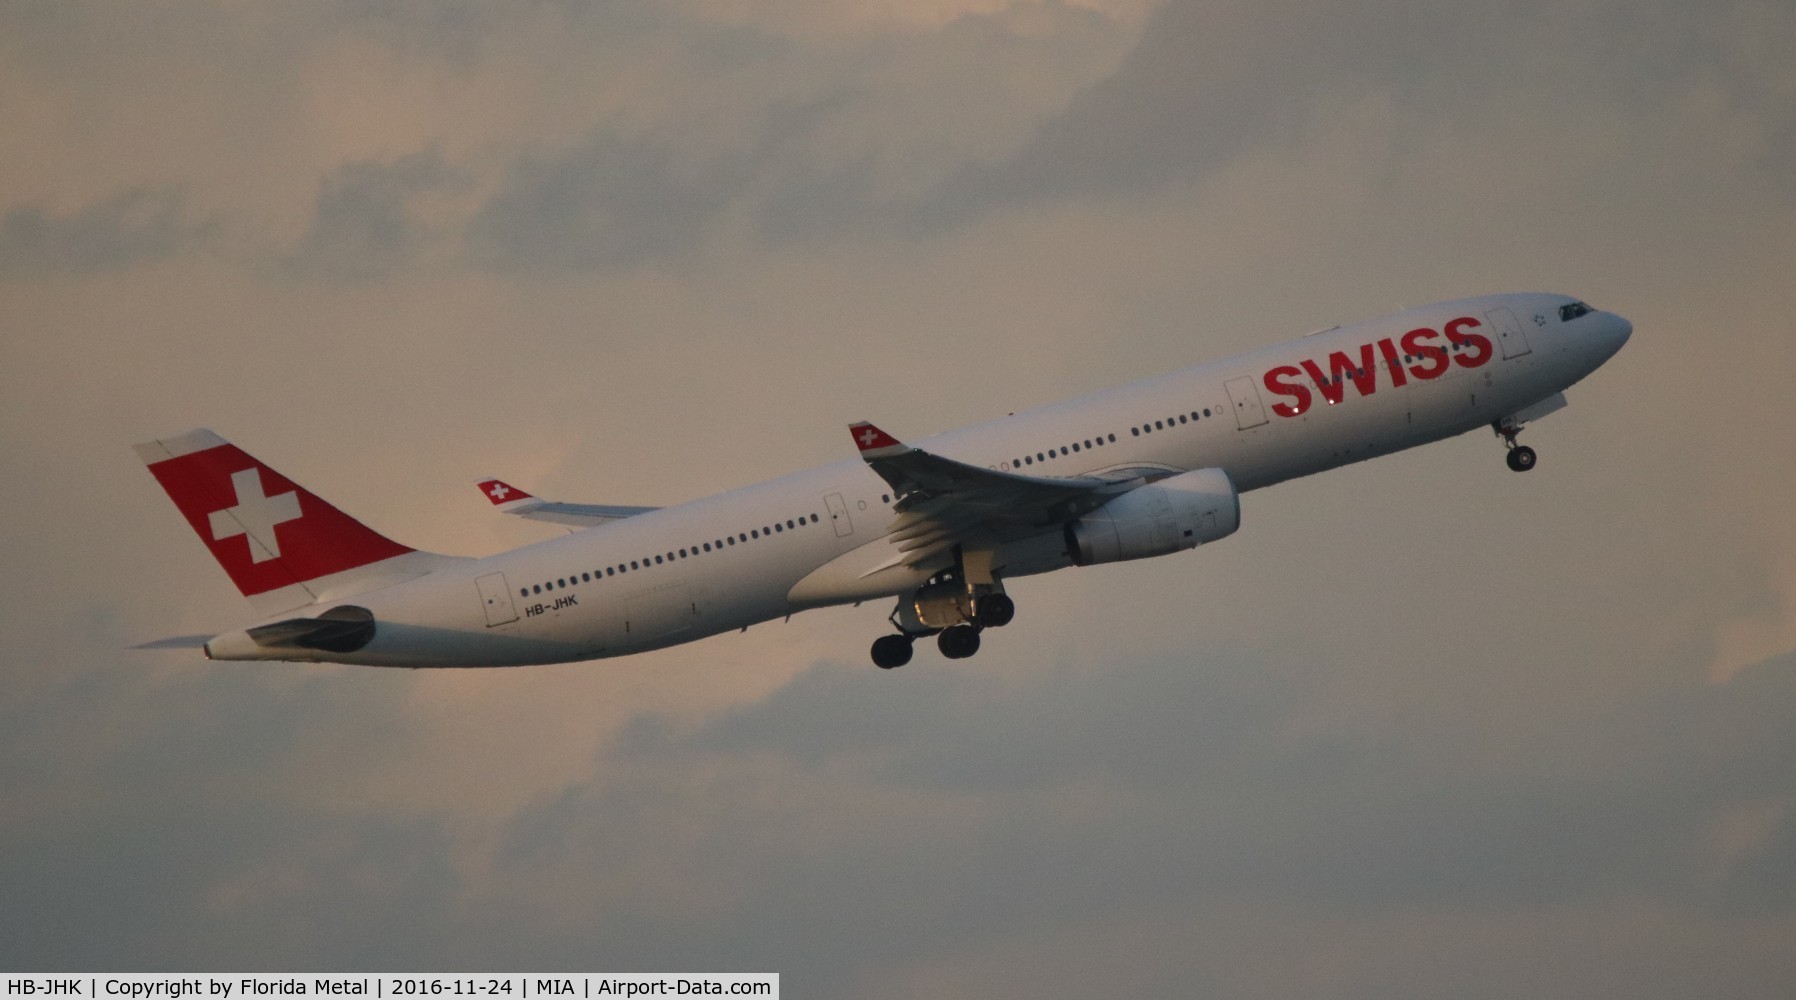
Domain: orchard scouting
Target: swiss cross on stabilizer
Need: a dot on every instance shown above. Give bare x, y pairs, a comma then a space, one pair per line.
255, 515
500, 492
266, 531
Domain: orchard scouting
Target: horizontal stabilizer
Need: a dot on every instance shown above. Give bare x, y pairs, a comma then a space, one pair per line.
175, 642
342, 629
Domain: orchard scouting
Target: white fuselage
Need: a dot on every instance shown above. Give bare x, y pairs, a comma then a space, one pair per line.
731, 560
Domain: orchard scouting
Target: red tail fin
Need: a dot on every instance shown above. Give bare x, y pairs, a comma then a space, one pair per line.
271, 535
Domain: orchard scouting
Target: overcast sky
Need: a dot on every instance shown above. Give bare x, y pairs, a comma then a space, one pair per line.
1424, 727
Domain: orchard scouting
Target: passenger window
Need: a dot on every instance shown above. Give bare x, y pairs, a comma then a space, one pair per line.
1136, 431
537, 587
814, 517
1112, 439
523, 591
756, 533
776, 527
1181, 418
585, 577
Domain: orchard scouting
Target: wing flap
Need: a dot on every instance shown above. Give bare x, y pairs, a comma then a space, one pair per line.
943, 503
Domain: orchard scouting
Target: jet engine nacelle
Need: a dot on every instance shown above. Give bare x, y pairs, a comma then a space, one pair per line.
1177, 513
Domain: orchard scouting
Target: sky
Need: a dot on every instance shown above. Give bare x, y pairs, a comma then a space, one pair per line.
1423, 727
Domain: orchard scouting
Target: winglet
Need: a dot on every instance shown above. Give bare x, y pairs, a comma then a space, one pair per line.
501, 493
875, 443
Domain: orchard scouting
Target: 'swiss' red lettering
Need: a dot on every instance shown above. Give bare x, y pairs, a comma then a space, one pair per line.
1363, 375
1419, 358
1389, 350
1477, 342
1296, 390
1331, 390
1342, 369
1431, 360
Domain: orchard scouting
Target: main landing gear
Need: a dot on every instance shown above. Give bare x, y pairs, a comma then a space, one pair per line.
892, 651
1521, 457
957, 641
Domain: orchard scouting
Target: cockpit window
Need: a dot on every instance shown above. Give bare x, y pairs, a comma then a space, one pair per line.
1573, 311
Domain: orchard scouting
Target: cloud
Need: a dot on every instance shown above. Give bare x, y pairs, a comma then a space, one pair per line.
968, 810
609, 204
1212, 84
366, 224
135, 226
1422, 727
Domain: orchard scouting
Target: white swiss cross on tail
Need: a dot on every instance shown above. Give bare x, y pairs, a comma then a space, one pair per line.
290, 536
255, 515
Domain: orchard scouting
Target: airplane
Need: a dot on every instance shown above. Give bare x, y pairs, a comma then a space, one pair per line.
1147, 469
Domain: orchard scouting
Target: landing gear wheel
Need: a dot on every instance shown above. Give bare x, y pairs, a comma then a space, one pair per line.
1521, 458
996, 610
891, 651
959, 642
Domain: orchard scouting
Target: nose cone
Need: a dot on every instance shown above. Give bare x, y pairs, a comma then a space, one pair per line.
1621, 329
1610, 335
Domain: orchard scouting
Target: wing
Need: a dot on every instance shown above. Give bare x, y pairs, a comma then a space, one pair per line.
943, 503
511, 500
